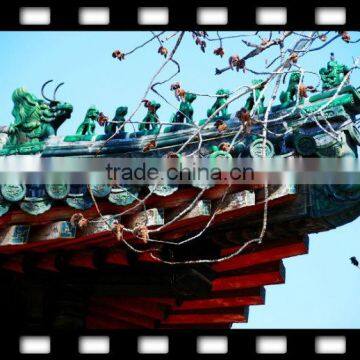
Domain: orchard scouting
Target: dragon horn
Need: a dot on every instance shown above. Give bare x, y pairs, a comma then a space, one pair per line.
43, 88
56, 89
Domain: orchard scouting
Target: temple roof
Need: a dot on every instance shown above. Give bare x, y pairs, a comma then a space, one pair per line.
338, 107
233, 237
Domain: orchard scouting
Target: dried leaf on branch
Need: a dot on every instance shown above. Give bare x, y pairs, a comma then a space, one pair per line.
142, 233
102, 119
79, 221
236, 62
117, 54
163, 51
294, 57
178, 91
345, 36
323, 37
149, 146
220, 125
118, 230
219, 52
245, 118
225, 146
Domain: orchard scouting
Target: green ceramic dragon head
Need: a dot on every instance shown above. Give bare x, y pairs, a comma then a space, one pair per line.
34, 120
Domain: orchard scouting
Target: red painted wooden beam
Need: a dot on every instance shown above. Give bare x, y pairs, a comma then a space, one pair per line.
131, 305
267, 274
146, 257
47, 262
14, 264
160, 301
239, 298
117, 257
238, 315
270, 250
84, 259
138, 321
211, 326
99, 323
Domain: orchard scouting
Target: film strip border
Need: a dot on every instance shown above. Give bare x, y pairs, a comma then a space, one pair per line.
154, 14
250, 344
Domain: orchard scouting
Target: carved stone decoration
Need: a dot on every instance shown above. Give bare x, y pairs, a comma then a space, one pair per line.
256, 149
151, 217
14, 235
117, 123
4, 206
3, 139
123, 196
290, 95
336, 148
35, 120
344, 192
333, 74
254, 97
220, 153
337, 109
235, 201
100, 190
99, 225
79, 201
201, 208
163, 190
150, 123
223, 95
239, 148
332, 151
281, 191
201, 185
87, 127
13, 193
335, 202
185, 113
57, 230
305, 144
324, 140
355, 134
35, 206
57, 191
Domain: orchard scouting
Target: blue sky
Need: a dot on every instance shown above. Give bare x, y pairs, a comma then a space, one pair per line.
322, 289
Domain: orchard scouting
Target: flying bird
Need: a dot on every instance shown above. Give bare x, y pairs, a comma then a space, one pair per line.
354, 261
